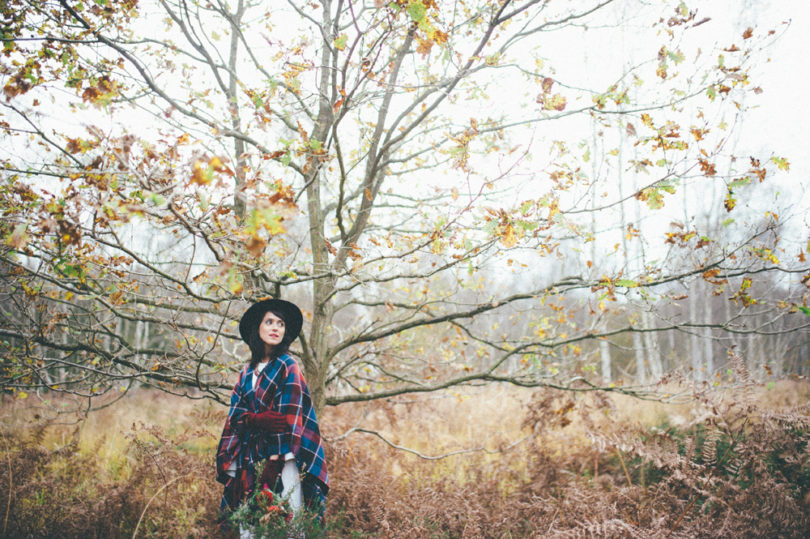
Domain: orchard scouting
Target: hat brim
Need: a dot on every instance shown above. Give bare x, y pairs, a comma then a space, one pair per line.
293, 318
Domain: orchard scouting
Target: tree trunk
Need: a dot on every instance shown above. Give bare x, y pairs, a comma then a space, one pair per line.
604, 355
651, 346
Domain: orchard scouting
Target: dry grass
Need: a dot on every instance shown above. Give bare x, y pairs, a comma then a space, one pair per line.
542, 463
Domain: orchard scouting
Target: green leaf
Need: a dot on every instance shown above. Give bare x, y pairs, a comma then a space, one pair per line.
676, 56
157, 199
739, 182
340, 42
627, 283
804, 309
417, 11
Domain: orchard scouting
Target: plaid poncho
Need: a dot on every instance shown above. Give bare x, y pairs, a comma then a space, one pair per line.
280, 387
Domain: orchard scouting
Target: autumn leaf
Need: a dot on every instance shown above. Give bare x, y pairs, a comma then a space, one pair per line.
19, 238
425, 45
557, 102
749, 32
200, 174
698, 133
78, 145
654, 196
781, 162
630, 130
707, 168
256, 245
69, 233
203, 173
275, 155
730, 202
438, 36
340, 41
711, 276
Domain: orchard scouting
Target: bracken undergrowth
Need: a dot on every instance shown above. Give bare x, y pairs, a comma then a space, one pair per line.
583, 466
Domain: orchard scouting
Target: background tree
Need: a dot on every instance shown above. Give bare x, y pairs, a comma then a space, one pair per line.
415, 175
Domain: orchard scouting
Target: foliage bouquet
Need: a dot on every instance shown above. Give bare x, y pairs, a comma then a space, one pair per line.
268, 514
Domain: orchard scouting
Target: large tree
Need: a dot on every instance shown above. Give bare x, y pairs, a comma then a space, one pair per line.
407, 171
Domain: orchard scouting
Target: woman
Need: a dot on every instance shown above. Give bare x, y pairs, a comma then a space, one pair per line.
271, 418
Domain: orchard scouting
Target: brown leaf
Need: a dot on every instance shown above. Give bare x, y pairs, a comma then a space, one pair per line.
69, 233
707, 168
424, 47
709, 275
256, 245
630, 130
19, 238
275, 155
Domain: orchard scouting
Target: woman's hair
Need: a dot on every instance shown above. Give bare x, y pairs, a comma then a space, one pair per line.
257, 345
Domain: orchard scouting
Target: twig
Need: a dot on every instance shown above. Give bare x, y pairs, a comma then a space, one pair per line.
134, 533
428, 457
626, 474
553, 519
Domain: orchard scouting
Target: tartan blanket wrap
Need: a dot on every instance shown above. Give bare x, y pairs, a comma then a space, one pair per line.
280, 387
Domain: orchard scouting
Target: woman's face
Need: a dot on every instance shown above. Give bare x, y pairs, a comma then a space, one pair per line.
271, 329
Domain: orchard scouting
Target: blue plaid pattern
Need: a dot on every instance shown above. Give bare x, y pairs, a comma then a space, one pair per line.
280, 387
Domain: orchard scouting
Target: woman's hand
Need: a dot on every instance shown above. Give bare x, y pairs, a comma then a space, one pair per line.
268, 421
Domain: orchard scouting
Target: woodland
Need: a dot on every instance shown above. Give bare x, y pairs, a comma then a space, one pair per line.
575, 211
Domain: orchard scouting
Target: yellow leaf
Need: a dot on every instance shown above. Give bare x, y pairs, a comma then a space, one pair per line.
781, 162
509, 239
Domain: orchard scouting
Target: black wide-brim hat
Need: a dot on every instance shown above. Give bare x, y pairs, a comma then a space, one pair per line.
293, 319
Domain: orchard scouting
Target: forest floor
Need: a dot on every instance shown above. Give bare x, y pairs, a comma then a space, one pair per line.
480, 462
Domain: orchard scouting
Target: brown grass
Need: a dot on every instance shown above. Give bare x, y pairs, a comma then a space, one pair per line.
584, 465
